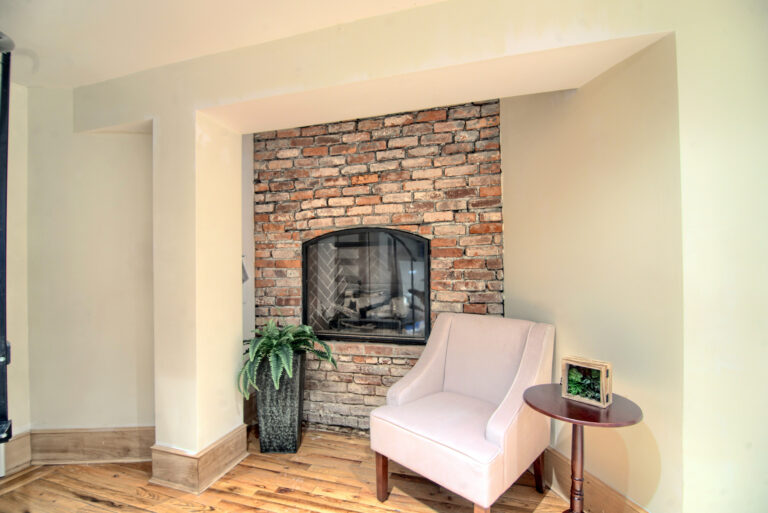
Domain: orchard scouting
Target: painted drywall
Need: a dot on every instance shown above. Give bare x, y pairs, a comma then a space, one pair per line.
246, 194
16, 265
90, 272
720, 47
591, 189
218, 174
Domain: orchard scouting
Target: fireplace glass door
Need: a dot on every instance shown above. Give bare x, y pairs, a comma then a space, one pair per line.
368, 284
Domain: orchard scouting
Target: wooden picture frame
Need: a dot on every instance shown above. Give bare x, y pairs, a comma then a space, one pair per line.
579, 385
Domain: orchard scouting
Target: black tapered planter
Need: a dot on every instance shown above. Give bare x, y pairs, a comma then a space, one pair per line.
280, 411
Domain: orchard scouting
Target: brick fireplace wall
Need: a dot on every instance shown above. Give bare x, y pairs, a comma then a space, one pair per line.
434, 172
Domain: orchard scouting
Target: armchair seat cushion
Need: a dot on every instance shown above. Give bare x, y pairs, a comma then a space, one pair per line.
442, 435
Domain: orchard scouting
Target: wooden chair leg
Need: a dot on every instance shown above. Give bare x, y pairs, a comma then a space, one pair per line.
480, 509
538, 465
382, 477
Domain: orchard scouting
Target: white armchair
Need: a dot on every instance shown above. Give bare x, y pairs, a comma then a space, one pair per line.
458, 416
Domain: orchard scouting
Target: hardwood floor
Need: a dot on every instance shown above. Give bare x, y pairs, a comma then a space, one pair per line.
332, 473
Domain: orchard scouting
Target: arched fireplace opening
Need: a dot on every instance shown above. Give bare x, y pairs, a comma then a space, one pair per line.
368, 285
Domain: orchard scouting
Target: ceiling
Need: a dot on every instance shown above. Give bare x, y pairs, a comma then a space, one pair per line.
69, 43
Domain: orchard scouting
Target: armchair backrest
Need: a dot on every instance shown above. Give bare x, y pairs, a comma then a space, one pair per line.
483, 354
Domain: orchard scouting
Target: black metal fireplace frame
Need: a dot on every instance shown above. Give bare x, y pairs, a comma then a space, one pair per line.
389, 339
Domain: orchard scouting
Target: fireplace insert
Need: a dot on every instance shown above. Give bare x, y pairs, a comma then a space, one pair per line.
367, 284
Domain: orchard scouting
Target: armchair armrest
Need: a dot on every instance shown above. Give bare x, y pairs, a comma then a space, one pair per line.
535, 368
428, 375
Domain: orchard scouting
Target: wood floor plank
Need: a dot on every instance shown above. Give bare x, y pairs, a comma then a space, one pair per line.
331, 473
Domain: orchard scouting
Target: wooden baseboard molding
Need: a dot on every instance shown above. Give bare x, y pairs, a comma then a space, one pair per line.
195, 472
18, 453
598, 496
61, 446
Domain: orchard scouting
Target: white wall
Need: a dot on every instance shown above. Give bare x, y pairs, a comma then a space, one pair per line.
592, 228
218, 171
90, 271
722, 81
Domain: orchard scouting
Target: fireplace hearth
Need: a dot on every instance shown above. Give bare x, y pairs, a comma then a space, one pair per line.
368, 285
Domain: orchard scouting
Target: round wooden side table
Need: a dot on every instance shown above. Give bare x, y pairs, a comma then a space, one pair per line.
546, 399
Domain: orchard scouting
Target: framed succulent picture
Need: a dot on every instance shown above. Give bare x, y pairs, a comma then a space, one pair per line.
587, 381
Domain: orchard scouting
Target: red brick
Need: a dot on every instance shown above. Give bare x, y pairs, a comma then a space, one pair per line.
317, 151
486, 228
482, 122
388, 208
437, 217
491, 168
368, 200
486, 297
443, 242
450, 183
453, 297
467, 217
406, 218
360, 158
489, 109
354, 191
416, 162
386, 188
476, 309
466, 136
450, 229
484, 156
370, 124
335, 181
328, 139
452, 204
467, 192
403, 142
448, 126
484, 202
400, 197
345, 126
325, 171
395, 176
475, 240
485, 180
279, 164
487, 145
490, 191
386, 133
282, 264
356, 137
403, 119
341, 202
465, 147
301, 195
489, 133
447, 252
290, 132
362, 179
427, 173
372, 146
351, 170
494, 263
343, 149
469, 263
418, 129
302, 141
483, 250
272, 227
436, 139
431, 115
390, 155
264, 155
452, 160
314, 130
376, 219
418, 185
464, 112
327, 193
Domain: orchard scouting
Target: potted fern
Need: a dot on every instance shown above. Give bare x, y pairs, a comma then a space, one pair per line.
274, 366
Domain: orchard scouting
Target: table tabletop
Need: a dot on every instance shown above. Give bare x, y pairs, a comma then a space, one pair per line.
547, 399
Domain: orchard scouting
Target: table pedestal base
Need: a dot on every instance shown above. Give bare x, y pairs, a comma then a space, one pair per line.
577, 470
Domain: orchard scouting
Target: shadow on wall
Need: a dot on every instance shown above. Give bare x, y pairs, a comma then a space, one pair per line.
630, 450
